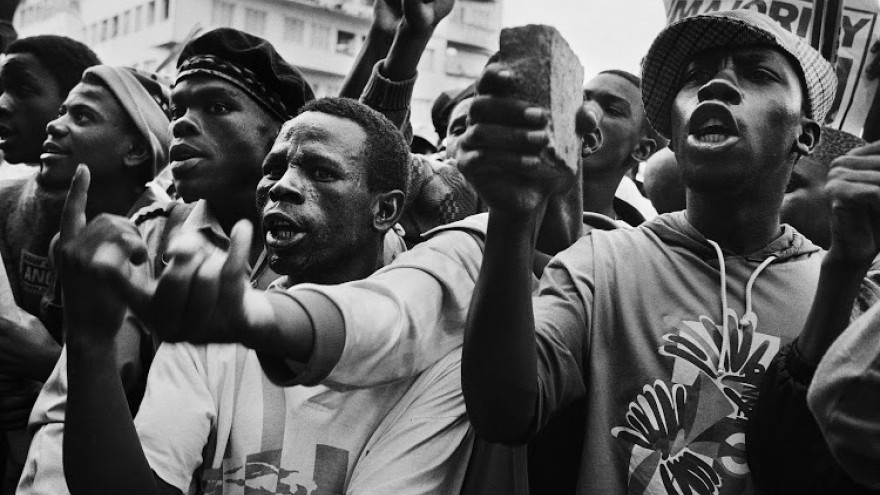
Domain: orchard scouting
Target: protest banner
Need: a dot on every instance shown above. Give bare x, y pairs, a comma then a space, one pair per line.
858, 30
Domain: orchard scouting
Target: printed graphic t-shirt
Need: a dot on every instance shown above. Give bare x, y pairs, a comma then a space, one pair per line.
211, 422
632, 320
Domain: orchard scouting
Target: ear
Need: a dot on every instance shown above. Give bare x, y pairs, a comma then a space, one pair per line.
138, 152
808, 138
644, 149
387, 208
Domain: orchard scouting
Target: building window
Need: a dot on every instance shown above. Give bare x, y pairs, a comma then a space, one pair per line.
126, 21
320, 36
294, 30
254, 21
138, 13
166, 9
114, 27
222, 13
104, 29
151, 13
346, 43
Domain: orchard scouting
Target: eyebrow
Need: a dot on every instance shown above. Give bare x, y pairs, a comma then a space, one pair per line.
606, 98
15, 69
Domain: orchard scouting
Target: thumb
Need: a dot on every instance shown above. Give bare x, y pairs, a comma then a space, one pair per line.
73, 216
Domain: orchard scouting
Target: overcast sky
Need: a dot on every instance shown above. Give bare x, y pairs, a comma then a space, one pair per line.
605, 34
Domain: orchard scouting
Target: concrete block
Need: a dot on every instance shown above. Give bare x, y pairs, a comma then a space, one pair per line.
549, 74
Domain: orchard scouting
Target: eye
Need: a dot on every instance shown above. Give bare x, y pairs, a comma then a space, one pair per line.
323, 174
761, 74
457, 130
176, 112
80, 117
696, 75
217, 108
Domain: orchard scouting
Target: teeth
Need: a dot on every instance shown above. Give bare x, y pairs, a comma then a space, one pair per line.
712, 138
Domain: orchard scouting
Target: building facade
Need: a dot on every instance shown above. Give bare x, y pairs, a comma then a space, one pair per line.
321, 37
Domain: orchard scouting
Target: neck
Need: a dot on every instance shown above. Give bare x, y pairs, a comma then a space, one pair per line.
365, 262
243, 207
599, 190
115, 196
738, 225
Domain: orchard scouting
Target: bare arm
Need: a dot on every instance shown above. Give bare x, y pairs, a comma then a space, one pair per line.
99, 431
386, 17
854, 186
501, 158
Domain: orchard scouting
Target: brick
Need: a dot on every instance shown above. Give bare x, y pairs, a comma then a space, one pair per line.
547, 73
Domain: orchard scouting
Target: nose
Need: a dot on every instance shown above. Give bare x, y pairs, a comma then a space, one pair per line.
722, 88
184, 126
6, 108
289, 188
57, 127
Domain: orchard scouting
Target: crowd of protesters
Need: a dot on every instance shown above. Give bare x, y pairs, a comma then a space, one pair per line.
221, 284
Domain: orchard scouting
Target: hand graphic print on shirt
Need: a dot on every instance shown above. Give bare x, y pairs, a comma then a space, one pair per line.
687, 436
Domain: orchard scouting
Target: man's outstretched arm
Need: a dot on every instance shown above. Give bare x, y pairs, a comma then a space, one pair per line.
102, 453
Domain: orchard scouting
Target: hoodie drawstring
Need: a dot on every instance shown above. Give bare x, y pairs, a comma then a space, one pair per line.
749, 318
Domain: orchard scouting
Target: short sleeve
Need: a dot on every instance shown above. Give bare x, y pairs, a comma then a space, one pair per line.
177, 414
562, 323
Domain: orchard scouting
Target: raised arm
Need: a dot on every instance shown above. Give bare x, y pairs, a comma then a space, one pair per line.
391, 80
99, 431
386, 17
854, 188
782, 435
505, 158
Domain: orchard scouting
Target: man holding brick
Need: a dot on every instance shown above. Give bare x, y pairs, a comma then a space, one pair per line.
665, 330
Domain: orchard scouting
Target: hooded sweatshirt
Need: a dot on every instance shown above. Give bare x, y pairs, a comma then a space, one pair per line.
667, 336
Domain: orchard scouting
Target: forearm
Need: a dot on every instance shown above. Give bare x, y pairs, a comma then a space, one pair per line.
562, 224
285, 330
373, 50
405, 52
99, 430
499, 360
839, 282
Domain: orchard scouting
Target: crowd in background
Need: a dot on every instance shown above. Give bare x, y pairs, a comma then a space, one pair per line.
221, 284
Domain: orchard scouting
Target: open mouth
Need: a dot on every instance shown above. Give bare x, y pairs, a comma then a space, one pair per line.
183, 152
281, 232
712, 123
713, 131
51, 148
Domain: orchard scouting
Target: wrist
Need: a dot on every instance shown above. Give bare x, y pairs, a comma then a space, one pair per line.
260, 321
414, 34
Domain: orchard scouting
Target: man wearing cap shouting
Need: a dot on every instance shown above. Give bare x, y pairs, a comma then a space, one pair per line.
666, 330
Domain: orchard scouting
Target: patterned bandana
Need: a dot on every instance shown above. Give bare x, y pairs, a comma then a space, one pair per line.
676, 45
240, 76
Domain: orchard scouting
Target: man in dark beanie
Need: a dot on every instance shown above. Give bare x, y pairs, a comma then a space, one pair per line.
665, 330
232, 94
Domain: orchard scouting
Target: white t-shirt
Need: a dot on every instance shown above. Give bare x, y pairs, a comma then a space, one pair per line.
212, 422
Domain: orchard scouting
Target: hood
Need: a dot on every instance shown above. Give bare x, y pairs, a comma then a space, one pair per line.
675, 230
